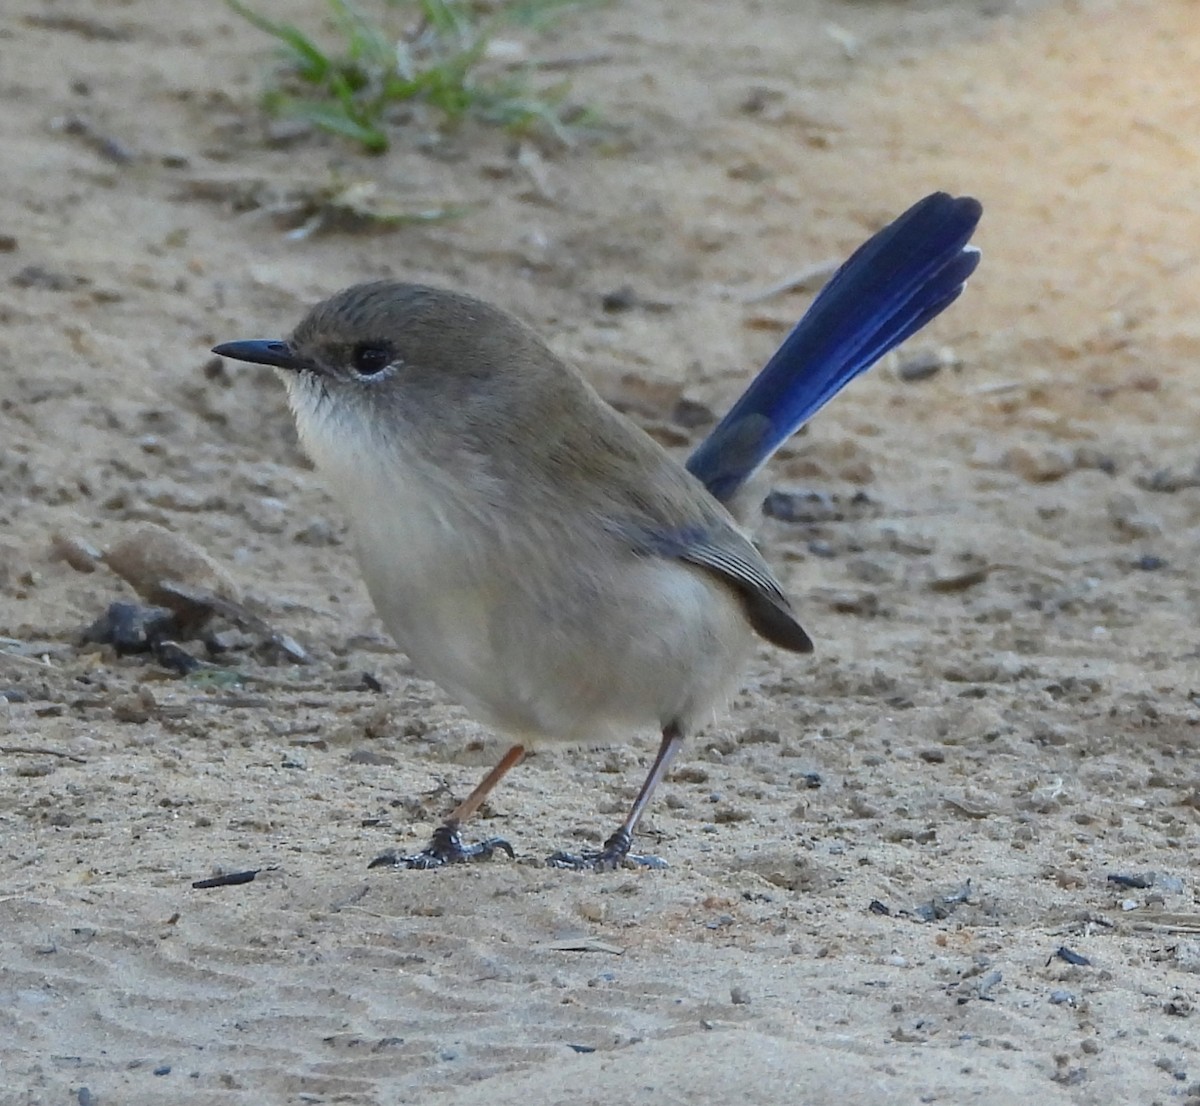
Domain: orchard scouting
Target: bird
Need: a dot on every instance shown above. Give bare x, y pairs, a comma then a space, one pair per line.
537, 554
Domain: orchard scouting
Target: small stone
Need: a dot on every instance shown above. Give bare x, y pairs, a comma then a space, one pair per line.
370, 757
1178, 1006
619, 299
137, 708
34, 276
266, 514
738, 995
282, 133
319, 532
926, 363
728, 815
80, 554
1167, 480
591, 910
760, 735
1138, 881
171, 495
692, 414
802, 506
1039, 466
1130, 520
1069, 1077
646, 397
758, 98
864, 603
1089, 457
149, 557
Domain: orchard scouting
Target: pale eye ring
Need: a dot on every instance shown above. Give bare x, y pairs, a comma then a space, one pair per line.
371, 358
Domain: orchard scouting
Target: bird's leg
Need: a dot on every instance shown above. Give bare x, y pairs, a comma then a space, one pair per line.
616, 848
446, 845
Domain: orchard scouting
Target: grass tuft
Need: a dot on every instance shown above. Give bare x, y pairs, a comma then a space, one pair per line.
442, 60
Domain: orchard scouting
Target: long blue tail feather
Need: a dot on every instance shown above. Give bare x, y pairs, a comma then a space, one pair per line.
888, 289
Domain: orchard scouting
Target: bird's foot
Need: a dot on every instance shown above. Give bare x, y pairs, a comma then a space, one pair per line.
446, 846
614, 855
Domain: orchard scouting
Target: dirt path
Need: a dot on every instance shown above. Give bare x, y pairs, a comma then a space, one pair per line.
1002, 713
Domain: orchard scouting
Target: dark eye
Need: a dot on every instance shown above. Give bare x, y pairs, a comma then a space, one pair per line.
370, 358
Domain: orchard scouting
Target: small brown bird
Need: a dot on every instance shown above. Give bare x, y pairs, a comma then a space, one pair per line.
537, 554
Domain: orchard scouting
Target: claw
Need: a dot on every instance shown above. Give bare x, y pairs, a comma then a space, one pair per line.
612, 856
445, 847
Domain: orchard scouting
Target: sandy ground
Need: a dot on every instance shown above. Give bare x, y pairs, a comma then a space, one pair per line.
877, 856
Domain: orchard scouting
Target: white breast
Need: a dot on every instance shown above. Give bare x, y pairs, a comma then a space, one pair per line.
536, 626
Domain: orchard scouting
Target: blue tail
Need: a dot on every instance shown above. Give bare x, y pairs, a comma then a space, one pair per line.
890, 287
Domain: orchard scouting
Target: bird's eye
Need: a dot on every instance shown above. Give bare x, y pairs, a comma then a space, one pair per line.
370, 358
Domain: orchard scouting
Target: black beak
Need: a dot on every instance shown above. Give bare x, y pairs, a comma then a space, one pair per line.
263, 351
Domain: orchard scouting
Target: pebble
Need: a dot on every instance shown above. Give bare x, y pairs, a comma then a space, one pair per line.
1130, 520
691, 414
1168, 481
990, 980
1178, 1005
266, 514
759, 735
802, 506
1136, 880
591, 910
1089, 457
926, 363
282, 133
318, 532
80, 554
150, 556
865, 603
1039, 466
644, 395
619, 299
173, 496
35, 276
136, 707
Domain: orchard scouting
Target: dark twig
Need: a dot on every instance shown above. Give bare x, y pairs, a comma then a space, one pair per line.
42, 750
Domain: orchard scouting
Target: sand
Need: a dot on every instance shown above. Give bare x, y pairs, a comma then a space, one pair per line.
877, 856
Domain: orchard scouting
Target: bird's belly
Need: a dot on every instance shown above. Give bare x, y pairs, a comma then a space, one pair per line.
543, 652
